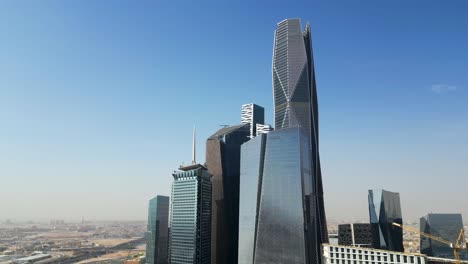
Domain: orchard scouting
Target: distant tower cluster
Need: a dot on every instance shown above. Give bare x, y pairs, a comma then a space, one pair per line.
259, 196
258, 199
57, 222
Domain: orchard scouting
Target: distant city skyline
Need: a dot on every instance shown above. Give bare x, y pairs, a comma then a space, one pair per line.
93, 98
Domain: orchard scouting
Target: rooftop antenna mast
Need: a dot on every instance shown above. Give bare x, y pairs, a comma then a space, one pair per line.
194, 161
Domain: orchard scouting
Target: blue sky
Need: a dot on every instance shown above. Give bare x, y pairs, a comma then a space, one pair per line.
98, 99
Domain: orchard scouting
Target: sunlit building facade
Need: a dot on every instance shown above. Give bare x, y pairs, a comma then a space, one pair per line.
275, 221
190, 235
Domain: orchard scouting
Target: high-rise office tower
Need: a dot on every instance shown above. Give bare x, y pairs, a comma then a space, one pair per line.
384, 210
281, 210
223, 163
276, 186
296, 105
251, 174
445, 226
252, 114
274, 223
190, 236
156, 235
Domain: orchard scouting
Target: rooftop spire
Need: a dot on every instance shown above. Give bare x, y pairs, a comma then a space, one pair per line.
194, 161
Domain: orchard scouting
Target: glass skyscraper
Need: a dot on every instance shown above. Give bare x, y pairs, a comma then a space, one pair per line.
190, 236
281, 210
296, 105
275, 214
384, 210
252, 163
445, 226
223, 163
157, 231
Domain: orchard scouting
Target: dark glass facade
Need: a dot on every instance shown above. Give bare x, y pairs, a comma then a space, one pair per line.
275, 215
445, 226
359, 234
223, 163
157, 231
190, 236
385, 209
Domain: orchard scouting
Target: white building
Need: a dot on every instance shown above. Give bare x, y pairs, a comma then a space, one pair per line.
263, 129
252, 114
335, 254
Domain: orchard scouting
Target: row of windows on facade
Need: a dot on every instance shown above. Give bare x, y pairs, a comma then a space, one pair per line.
368, 262
391, 258
350, 256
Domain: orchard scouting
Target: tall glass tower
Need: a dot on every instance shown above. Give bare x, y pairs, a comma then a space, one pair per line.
296, 105
282, 218
190, 236
157, 231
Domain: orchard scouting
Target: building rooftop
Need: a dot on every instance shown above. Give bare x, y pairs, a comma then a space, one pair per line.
376, 250
226, 130
191, 167
444, 260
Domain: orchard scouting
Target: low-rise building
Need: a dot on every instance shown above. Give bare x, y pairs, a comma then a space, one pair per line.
359, 234
36, 256
434, 260
337, 254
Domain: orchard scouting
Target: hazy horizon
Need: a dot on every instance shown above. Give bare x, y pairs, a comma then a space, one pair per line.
98, 101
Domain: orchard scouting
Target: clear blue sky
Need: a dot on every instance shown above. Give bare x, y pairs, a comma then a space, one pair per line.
98, 99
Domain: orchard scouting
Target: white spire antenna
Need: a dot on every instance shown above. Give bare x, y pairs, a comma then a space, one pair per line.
194, 161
